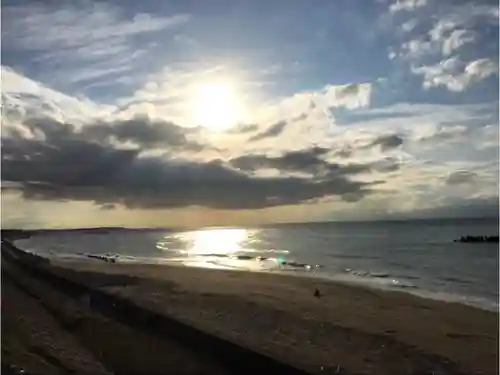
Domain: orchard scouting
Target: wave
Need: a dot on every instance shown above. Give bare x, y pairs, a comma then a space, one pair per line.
455, 280
163, 246
379, 278
349, 256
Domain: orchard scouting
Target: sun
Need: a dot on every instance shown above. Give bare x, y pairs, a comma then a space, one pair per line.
216, 106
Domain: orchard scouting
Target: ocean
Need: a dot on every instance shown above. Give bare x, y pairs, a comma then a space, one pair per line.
418, 257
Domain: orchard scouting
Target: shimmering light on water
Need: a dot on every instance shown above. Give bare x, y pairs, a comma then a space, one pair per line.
214, 241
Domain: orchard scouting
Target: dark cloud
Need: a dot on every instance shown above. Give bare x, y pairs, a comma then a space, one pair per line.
272, 131
461, 177
310, 161
386, 165
141, 131
74, 168
344, 152
307, 161
387, 142
301, 117
347, 90
67, 162
244, 128
108, 207
446, 134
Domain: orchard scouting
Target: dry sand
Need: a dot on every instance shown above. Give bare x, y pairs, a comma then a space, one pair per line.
348, 330
361, 330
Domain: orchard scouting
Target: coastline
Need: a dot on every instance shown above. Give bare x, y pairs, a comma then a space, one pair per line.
349, 328
370, 282
473, 282
376, 281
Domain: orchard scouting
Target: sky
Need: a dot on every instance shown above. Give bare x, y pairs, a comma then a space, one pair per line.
196, 113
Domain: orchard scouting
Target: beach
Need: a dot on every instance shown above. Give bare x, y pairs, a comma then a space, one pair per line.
346, 329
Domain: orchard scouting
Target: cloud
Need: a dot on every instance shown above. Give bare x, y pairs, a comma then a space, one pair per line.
244, 128
121, 159
417, 48
482, 68
406, 5
387, 142
141, 132
108, 206
23, 97
351, 96
79, 170
456, 40
305, 161
348, 90
451, 38
311, 162
345, 117
437, 44
461, 177
273, 131
43, 26
442, 134
409, 25
455, 75
64, 37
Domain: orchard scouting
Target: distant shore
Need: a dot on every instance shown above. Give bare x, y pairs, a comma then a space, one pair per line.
347, 329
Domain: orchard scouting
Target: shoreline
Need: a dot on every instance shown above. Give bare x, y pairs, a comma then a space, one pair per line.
366, 281
379, 276
144, 270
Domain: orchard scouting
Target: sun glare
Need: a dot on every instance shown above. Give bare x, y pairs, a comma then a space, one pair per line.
216, 106
215, 241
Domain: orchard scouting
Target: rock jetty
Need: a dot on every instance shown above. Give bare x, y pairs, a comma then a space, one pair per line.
475, 239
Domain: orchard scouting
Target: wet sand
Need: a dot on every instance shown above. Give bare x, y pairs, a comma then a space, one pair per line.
346, 330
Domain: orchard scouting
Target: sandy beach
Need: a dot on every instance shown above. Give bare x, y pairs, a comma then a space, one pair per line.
346, 330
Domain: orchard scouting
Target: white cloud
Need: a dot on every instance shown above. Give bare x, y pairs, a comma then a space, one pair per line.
455, 75
481, 68
68, 34
417, 48
440, 42
457, 39
41, 26
442, 27
406, 5
34, 99
409, 25
442, 51
169, 96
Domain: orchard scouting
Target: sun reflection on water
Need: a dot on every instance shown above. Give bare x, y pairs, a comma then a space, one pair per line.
234, 248
223, 241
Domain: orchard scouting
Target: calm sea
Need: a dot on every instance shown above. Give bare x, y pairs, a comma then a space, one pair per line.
415, 256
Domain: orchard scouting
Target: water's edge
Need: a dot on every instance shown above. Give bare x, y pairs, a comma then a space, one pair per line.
363, 279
